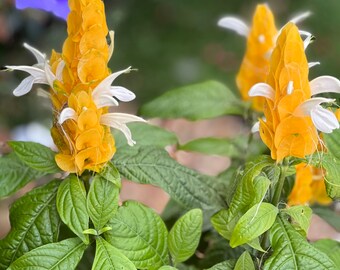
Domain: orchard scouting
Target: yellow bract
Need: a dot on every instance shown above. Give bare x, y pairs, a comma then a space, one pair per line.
255, 64
283, 132
83, 142
309, 186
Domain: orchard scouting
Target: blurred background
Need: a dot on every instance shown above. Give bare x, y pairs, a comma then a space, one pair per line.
171, 43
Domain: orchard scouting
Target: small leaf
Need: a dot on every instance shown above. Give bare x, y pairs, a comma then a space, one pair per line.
185, 235
301, 214
36, 156
261, 186
167, 267
253, 223
198, 101
292, 251
62, 255
151, 165
110, 173
140, 234
71, 205
213, 146
331, 248
245, 262
146, 134
108, 257
332, 175
225, 220
14, 174
34, 221
102, 201
226, 265
332, 141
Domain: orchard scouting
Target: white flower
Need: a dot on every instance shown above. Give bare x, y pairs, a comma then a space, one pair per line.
39, 73
103, 97
324, 120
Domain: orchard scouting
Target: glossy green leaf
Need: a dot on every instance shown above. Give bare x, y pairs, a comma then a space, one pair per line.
332, 175
292, 251
261, 186
34, 221
331, 248
71, 205
245, 262
185, 235
226, 265
332, 141
102, 201
198, 101
36, 156
108, 257
151, 165
62, 255
146, 134
167, 267
225, 220
140, 234
301, 215
213, 146
15, 174
110, 173
253, 223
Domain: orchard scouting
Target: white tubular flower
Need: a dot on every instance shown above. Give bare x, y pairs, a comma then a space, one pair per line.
234, 24
262, 90
39, 73
103, 94
323, 119
119, 121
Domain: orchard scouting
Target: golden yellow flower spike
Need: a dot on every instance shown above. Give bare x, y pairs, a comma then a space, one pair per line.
309, 187
255, 64
81, 91
292, 116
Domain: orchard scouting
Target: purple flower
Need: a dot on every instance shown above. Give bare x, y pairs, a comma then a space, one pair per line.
58, 7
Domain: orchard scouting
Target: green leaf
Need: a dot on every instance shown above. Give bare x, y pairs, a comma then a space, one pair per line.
167, 267
331, 248
140, 234
198, 101
102, 201
332, 141
108, 257
226, 265
301, 214
34, 221
151, 165
332, 175
146, 134
110, 173
14, 174
253, 223
185, 235
213, 146
225, 220
62, 255
245, 262
36, 156
261, 186
292, 251
71, 205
